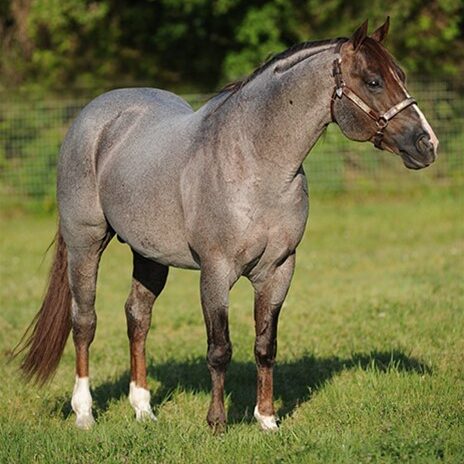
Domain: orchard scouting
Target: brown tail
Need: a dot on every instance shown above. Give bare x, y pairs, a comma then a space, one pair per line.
45, 338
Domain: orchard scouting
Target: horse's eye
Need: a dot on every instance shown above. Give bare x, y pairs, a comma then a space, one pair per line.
373, 83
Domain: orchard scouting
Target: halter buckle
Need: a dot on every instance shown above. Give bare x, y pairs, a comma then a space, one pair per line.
377, 139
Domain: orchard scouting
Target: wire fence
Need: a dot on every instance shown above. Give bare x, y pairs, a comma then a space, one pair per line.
32, 129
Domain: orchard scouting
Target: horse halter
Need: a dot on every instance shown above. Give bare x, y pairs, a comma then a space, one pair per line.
380, 119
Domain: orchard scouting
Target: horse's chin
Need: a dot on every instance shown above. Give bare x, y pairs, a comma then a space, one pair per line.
412, 163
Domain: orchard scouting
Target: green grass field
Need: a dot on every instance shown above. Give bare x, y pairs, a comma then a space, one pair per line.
370, 364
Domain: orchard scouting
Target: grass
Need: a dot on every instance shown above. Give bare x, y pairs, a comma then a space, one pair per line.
371, 341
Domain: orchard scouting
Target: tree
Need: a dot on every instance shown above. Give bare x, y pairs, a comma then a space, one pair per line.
200, 44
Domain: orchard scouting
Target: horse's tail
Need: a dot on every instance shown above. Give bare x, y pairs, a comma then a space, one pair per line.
45, 338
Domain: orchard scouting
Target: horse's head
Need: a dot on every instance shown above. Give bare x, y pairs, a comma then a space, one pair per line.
370, 100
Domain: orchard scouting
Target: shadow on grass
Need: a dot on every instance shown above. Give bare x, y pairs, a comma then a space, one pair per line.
294, 381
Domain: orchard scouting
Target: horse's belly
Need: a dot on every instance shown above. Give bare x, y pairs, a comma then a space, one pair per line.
148, 217
149, 238
169, 250
175, 259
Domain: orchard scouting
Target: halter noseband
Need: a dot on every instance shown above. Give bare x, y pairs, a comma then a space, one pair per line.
381, 119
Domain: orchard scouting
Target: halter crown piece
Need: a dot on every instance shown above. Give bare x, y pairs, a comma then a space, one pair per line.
380, 119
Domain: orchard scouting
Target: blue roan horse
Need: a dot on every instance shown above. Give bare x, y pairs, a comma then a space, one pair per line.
221, 190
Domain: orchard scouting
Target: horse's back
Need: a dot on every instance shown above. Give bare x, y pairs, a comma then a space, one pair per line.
121, 105
122, 108
144, 99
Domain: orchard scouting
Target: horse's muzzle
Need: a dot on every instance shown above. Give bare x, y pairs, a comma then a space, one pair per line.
424, 154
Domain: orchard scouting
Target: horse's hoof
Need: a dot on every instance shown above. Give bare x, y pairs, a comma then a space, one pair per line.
266, 422
218, 428
85, 421
217, 422
139, 399
145, 415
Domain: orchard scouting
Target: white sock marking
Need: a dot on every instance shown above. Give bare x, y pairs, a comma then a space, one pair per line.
266, 422
139, 398
81, 403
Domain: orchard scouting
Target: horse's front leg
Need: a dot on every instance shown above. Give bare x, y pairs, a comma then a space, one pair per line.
215, 283
270, 293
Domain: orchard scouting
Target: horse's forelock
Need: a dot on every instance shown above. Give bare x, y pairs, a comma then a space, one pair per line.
377, 55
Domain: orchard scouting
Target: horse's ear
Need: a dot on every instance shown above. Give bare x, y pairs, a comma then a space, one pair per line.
359, 35
380, 34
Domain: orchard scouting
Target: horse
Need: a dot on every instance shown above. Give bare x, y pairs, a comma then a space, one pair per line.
221, 190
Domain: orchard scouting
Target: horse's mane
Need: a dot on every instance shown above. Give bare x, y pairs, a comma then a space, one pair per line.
235, 86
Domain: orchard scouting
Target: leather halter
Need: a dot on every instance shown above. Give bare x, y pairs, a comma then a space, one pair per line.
381, 119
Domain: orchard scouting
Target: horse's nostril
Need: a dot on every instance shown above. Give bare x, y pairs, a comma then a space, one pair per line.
424, 145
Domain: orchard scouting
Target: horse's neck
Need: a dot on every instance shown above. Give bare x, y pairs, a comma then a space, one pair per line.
282, 116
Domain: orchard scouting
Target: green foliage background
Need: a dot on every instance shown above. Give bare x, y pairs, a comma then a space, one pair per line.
192, 45
56, 55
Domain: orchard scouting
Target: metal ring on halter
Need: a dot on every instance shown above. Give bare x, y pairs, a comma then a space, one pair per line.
382, 123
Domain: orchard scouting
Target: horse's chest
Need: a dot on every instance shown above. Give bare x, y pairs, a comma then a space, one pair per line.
284, 215
284, 226
275, 230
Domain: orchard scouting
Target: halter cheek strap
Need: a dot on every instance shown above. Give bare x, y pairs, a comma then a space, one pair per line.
381, 119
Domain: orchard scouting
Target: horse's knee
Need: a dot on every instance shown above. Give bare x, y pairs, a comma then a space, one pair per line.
265, 351
219, 356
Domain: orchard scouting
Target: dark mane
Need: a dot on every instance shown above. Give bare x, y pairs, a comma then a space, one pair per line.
233, 87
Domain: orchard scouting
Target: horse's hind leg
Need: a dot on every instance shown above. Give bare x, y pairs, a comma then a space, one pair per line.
83, 263
148, 280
